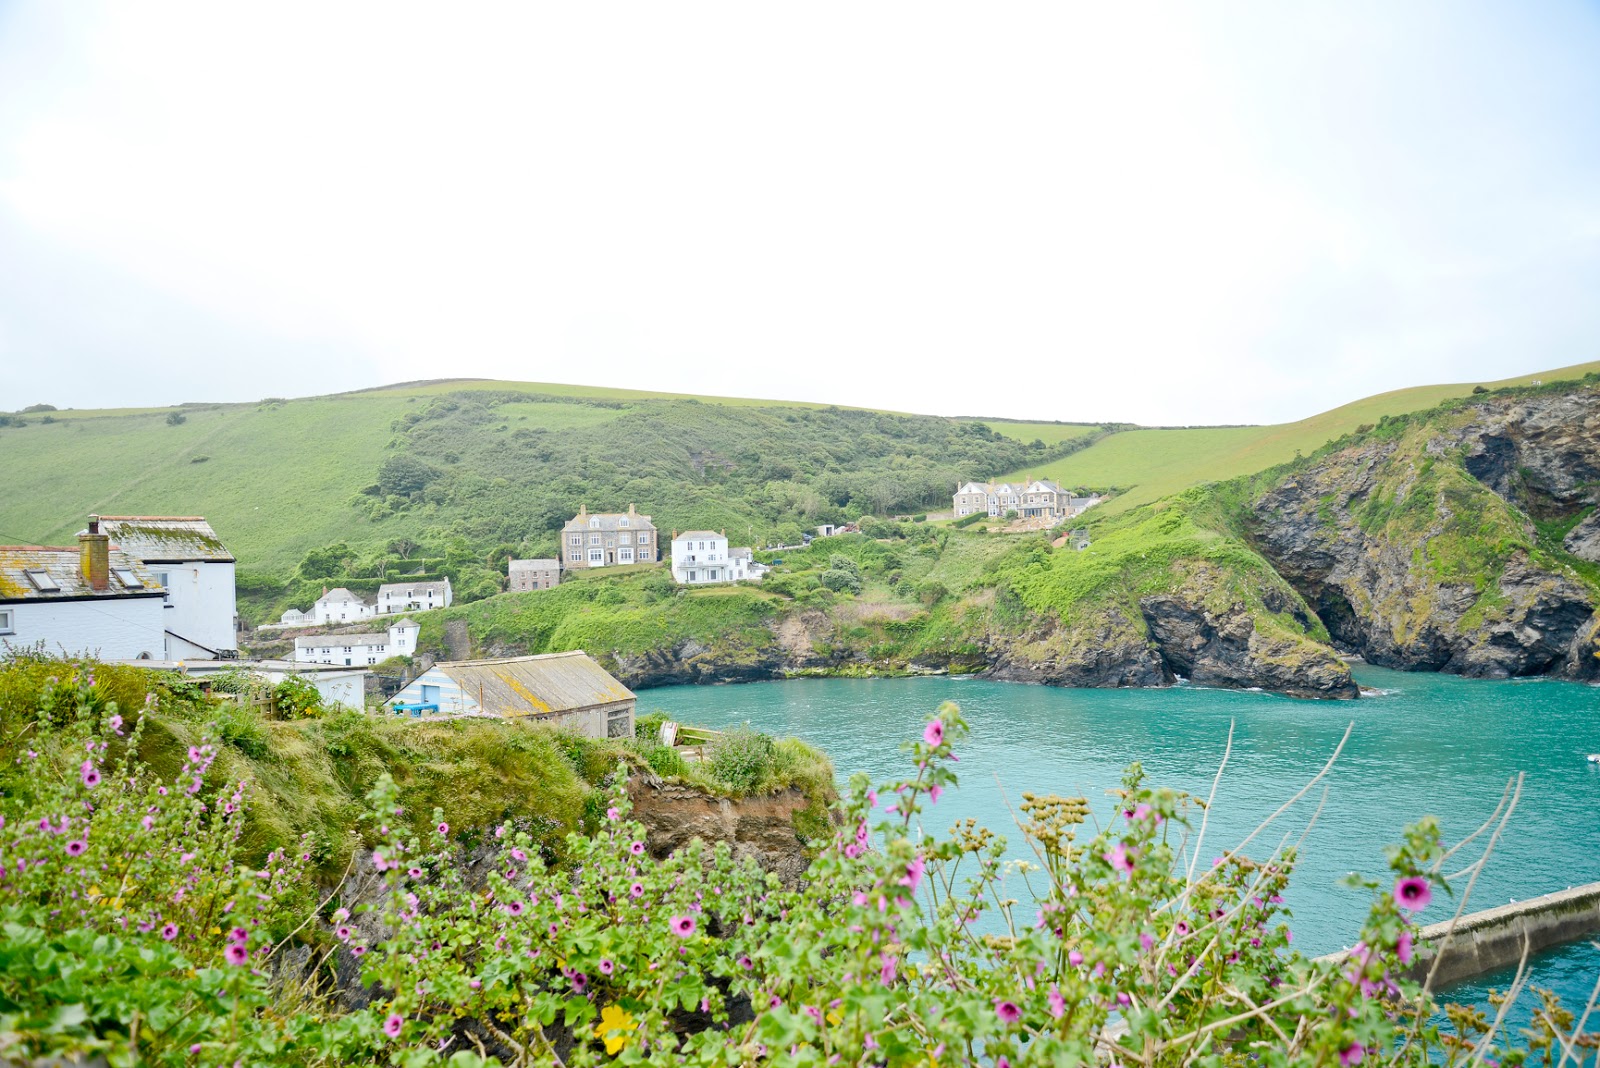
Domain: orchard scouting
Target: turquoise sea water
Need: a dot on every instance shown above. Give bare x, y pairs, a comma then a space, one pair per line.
1430, 744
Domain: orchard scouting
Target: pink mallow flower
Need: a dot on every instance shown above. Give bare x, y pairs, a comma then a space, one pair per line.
1120, 858
1007, 1011
393, 1024
933, 734
682, 926
236, 954
1412, 894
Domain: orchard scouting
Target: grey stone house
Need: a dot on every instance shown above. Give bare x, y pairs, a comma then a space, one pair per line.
525, 575
605, 539
1034, 497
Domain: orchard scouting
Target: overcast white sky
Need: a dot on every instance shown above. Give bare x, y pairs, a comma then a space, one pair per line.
1224, 212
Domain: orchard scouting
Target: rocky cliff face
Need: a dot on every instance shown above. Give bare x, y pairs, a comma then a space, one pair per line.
760, 828
1419, 551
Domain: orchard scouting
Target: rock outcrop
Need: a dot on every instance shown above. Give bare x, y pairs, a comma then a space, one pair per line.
760, 828
1417, 550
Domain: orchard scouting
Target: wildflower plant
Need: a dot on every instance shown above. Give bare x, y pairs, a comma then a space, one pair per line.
1111, 945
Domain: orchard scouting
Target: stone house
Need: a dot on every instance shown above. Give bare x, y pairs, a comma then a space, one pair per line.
604, 539
561, 689
1031, 498
525, 575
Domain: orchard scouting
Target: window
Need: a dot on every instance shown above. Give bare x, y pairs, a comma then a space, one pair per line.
7, 622
594, 539
594, 524
627, 539
622, 522
128, 578
162, 579
42, 581
624, 556
576, 539
597, 556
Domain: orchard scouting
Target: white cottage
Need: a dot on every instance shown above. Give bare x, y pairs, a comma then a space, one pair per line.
401, 597
197, 572
88, 601
702, 556
338, 606
563, 689
351, 650
335, 685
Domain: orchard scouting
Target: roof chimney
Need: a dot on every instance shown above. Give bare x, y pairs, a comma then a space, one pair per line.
94, 555
583, 509
631, 511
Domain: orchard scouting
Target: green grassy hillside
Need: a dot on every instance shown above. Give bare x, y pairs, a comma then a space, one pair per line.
1148, 464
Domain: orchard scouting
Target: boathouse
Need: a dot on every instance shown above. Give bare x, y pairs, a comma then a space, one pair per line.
562, 689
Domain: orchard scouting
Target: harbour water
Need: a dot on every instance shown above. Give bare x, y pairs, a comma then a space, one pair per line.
1427, 744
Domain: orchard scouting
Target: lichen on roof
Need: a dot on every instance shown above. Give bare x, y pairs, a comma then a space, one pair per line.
171, 538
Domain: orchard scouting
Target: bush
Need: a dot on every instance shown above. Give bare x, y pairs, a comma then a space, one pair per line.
841, 581
176, 418
295, 698
741, 759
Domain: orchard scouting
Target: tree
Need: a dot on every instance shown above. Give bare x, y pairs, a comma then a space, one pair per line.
175, 418
405, 475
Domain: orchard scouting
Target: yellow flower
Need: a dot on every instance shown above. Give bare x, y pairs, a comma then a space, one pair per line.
614, 1027
834, 1018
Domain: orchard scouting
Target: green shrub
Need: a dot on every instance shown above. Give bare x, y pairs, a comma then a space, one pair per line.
841, 581
741, 759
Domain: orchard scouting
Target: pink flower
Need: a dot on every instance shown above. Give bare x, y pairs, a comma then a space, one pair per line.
342, 934
76, 847
91, 774
1351, 1055
415, 873
606, 966
378, 861
933, 734
1007, 1010
746, 963
636, 890
169, 932
515, 908
236, 954
115, 723
393, 1024
682, 926
637, 848
913, 874
1058, 1004
1120, 858
1075, 958
1402, 948
612, 813
358, 951
933, 793
443, 828
1412, 894
239, 934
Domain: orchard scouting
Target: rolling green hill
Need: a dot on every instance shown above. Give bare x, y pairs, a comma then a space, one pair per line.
1147, 464
453, 476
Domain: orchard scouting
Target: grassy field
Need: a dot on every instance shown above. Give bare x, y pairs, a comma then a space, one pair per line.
1149, 464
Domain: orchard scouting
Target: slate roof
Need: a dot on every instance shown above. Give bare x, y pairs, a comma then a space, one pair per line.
535, 565
697, 534
339, 595
167, 539
60, 566
741, 554
339, 641
395, 588
536, 685
609, 521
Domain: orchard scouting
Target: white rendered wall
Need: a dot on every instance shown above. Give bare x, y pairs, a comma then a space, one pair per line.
686, 557
110, 628
201, 606
403, 640
341, 612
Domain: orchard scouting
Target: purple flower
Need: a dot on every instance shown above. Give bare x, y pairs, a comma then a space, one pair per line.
637, 849
115, 723
1402, 948
1007, 1010
636, 890
76, 847
515, 908
393, 1024
415, 873
239, 934
358, 951
1351, 1055
1412, 894
580, 982
682, 926
746, 963
1075, 958
606, 966
236, 954
933, 734
612, 813
1120, 858
443, 828
913, 874
1058, 1004
342, 933
169, 932
91, 774
933, 793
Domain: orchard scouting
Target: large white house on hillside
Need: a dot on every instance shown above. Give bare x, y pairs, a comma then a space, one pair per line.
400, 597
88, 601
702, 556
1033, 498
337, 605
196, 570
357, 650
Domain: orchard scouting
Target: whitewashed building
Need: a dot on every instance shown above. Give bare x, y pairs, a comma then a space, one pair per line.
335, 685
702, 556
338, 605
88, 601
358, 650
197, 572
562, 689
400, 597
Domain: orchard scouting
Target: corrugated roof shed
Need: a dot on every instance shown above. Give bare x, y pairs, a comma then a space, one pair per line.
165, 538
536, 685
56, 575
